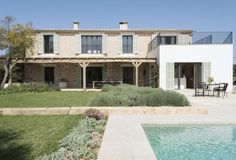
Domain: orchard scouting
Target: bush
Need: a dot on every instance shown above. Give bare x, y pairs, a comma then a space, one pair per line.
107, 87
94, 113
82, 142
28, 87
103, 99
130, 95
176, 99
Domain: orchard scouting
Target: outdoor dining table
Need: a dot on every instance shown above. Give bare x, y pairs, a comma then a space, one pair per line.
210, 88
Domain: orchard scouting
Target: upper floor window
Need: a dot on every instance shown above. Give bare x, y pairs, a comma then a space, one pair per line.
48, 44
168, 40
91, 44
127, 43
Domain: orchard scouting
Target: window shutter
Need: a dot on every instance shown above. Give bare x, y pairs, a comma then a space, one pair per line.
104, 43
40, 43
169, 76
77, 43
135, 44
119, 44
206, 71
56, 41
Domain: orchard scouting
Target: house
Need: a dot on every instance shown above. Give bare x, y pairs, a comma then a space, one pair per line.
84, 58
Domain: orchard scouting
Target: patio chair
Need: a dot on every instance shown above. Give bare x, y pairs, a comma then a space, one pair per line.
200, 89
221, 89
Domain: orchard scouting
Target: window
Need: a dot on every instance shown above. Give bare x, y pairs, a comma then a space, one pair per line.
168, 39
91, 44
48, 44
49, 75
127, 44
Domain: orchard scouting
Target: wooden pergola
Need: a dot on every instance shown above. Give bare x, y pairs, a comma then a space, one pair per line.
84, 62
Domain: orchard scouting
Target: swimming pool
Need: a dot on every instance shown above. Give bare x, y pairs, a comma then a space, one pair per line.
192, 142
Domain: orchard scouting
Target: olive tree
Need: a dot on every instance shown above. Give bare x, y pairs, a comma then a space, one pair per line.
15, 40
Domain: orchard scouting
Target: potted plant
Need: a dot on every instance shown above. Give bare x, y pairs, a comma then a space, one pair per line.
210, 80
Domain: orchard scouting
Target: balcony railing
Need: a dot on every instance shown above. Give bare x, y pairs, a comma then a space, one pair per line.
212, 38
199, 38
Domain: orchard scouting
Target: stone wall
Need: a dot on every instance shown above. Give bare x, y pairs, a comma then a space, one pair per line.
69, 72
143, 75
33, 73
113, 72
72, 73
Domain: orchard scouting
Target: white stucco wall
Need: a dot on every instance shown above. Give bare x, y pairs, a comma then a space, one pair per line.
220, 56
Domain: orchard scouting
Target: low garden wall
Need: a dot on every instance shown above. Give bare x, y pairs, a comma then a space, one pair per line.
107, 110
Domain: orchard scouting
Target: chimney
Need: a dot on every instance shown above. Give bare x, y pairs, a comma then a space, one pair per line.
76, 25
123, 25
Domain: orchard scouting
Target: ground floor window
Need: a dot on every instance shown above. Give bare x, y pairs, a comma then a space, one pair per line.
128, 75
49, 75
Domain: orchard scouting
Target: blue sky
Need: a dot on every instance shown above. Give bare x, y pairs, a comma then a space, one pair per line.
201, 15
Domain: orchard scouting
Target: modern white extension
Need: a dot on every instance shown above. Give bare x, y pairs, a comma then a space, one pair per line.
184, 65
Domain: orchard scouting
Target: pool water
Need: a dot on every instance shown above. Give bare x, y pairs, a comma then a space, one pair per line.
192, 142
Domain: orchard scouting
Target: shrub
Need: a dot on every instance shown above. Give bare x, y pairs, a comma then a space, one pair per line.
176, 99
28, 87
104, 99
82, 142
156, 98
130, 95
107, 87
94, 113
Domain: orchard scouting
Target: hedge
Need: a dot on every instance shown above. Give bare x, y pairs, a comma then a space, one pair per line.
28, 87
130, 95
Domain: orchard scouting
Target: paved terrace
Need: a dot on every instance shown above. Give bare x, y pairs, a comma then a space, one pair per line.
124, 137
217, 106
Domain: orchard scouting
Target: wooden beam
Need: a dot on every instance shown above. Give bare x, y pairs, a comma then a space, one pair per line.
84, 66
80, 60
136, 65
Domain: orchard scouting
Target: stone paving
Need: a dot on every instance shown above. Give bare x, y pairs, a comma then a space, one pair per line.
124, 138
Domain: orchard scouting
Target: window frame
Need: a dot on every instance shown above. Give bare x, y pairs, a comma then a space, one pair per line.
125, 47
50, 48
164, 38
93, 43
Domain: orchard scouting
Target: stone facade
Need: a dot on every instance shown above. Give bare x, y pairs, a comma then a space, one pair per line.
71, 73
33, 73
113, 72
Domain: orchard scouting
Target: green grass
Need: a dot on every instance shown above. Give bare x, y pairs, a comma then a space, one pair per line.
26, 137
46, 99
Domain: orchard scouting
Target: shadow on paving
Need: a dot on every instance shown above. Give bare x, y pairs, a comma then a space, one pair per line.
10, 149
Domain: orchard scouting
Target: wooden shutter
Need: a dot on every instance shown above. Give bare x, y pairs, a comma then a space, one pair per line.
77, 43
169, 76
104, 43
56, 43
40, 43
206, 71
135, 44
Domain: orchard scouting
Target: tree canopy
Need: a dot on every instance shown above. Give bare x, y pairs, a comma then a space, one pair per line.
15, 38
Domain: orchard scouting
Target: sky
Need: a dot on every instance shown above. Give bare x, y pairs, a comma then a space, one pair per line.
198, 15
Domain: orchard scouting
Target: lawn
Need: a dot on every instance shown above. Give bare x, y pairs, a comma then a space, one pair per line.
46, 99
26, 137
